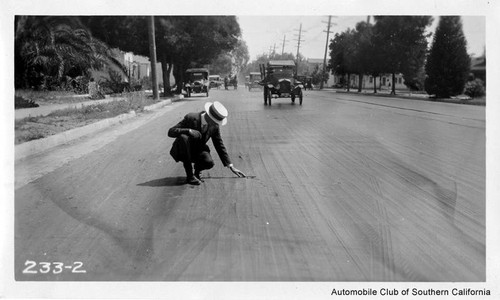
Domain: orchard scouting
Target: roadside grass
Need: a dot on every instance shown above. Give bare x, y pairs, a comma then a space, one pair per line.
33, 128
49, 97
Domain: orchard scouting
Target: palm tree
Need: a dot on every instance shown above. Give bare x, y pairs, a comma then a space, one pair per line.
51, 48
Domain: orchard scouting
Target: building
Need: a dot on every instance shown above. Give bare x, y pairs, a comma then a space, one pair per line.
135, 68
383, 82
478, 67
312, 63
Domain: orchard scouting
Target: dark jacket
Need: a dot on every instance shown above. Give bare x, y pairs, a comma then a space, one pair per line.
193, 121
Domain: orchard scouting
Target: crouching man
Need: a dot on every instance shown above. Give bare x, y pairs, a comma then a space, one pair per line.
191, 137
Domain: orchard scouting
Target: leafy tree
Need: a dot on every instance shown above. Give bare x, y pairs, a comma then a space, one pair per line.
240, 55
341, 54
181, 41
362, 50
403, 42
448, 63
49, 49
222, 65
201, 40
318, 75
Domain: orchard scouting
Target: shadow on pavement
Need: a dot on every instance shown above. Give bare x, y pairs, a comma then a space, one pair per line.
167, 181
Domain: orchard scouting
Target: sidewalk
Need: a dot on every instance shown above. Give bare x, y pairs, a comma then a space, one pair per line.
461, 99
384, 93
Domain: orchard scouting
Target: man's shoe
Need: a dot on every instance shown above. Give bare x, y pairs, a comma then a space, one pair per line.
197, 174
193, 180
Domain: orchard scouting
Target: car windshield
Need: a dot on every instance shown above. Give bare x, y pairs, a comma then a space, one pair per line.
196, 76
280, 72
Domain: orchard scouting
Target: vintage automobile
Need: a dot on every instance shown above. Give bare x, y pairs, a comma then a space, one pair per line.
247, 81
308, 83
254, 79
215, 81
196, 81
231, 80
279, 82
301, 78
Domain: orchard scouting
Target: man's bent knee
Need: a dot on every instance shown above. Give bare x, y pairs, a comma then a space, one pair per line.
205, 162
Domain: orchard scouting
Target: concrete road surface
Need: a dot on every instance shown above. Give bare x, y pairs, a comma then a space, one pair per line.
346, 188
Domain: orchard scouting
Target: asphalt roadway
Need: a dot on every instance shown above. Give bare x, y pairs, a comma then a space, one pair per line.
346, 188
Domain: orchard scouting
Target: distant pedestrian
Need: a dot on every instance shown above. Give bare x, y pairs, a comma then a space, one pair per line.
191, 137
93, 89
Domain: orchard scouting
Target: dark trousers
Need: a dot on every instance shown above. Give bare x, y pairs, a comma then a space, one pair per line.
189, 151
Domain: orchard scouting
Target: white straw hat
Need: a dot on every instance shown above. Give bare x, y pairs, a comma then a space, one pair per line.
217, 112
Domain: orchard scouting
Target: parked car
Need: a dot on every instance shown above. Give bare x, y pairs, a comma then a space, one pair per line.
254, 79
215, 81
279, 82
196, 81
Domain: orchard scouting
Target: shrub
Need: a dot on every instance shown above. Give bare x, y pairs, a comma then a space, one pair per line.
115, 84
475, 88
20, 102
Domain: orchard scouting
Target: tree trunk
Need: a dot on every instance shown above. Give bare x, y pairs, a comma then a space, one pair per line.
393, 92
374, 84
360, 84
169, 71
348, 82
166, 68
179, 76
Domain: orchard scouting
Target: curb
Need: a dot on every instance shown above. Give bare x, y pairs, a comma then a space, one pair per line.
36, 146
386, 95
468, 101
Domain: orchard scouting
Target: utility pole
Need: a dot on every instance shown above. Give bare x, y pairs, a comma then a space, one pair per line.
283, 45
152, 54
298, 47
326, 49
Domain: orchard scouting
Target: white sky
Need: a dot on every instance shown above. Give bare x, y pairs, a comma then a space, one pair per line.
263, 32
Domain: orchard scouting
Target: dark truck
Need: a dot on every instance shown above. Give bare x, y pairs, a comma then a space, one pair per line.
196, 81
254, 79
279, 82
